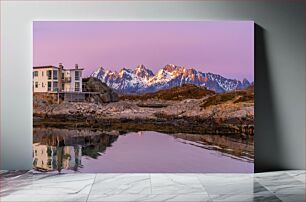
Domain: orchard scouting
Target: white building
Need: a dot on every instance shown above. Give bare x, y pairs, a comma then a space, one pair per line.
57, 79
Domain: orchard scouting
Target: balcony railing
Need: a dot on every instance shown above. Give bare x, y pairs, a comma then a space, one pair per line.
67, 80
71, 90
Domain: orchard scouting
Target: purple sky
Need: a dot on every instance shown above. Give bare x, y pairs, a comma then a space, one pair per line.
222, 47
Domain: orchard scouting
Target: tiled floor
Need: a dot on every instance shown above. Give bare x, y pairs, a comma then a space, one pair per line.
273, 186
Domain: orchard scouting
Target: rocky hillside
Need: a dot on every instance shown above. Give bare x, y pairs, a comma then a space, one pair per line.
246, 96
143, 80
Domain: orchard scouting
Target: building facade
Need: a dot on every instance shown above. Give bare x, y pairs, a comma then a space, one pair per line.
57, 79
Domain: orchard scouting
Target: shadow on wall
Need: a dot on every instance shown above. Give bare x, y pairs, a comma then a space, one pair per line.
268, 153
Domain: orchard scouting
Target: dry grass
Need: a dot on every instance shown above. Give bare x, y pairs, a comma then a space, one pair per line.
186, 91
233, 97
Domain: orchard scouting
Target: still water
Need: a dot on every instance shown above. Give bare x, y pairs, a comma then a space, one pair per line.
86, 150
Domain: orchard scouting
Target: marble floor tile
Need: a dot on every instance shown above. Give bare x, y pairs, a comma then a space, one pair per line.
292, 197
270, 174
281, 183
43, 198
3, 171
286, 186
176, 184
298, 175
51, 184
180, 198
287, 189
118, 184
295, 171
259, 189
287, 174
150, 198
245, 198
11, 182
12, 173
266, 198
236, 184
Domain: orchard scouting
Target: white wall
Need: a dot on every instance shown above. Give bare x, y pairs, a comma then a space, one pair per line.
279, 75
73, 81
42, 80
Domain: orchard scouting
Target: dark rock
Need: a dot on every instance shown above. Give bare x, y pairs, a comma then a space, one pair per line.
105, 95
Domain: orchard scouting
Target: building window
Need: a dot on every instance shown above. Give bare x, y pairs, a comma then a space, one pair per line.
35, 73
49, 74
42, 84
77, 86
77, 75
63, 75
63, 86
55, 87
42, 73
36, 84
54, 74
49, 85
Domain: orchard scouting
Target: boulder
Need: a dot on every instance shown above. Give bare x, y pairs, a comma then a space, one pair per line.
106, 94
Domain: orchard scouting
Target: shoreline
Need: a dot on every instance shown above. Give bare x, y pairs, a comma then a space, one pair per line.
227, 114
193, 125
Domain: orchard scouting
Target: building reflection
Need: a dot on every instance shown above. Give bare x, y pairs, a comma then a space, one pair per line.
58, 149
49, 158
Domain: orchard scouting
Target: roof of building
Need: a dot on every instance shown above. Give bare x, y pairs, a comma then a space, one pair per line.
50, 66
75, 69
42, 67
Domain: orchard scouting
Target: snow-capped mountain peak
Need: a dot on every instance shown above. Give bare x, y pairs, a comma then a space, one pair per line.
143, 72
142, 80
99, 72
246, 82
170, 67
126, 73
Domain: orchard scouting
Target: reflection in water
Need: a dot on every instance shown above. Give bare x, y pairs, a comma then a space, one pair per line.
48, 158
86, 150
57, 149
242, 149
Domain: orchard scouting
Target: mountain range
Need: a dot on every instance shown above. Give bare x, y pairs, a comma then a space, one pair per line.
143, 80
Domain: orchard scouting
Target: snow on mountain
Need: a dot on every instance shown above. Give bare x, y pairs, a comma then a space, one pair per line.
142, 80
142, 72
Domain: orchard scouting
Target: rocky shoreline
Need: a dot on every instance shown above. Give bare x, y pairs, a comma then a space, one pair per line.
186, 116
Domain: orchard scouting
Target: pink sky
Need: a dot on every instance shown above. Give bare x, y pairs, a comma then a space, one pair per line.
222, 47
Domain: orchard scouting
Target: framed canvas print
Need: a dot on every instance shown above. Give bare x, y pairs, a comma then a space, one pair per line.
143, 96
